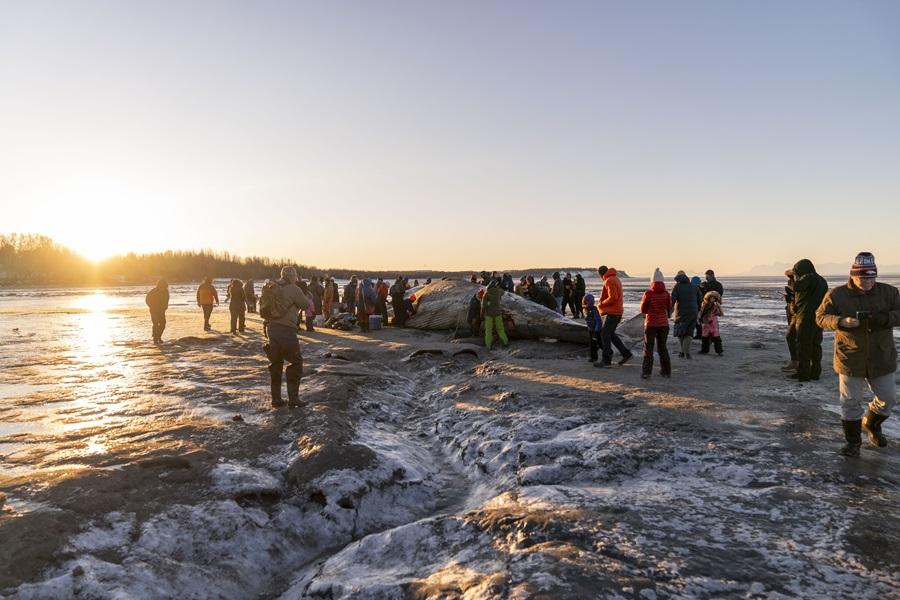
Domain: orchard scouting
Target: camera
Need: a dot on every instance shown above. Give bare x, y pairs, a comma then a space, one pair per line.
863, 315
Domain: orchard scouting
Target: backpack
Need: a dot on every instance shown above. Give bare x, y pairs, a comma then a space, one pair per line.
272, 303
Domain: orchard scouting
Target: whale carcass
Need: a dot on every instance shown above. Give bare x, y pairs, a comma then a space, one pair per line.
444, 305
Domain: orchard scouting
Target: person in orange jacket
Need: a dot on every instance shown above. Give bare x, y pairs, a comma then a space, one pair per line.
611, 307
383, 291
206, 295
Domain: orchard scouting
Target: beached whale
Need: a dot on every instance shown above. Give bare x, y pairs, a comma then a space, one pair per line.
444, 305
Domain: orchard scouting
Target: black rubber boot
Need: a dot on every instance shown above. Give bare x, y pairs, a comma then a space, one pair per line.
294, 373
871, 422
853, 435
275, 373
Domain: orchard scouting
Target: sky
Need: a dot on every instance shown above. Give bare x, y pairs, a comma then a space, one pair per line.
456, 135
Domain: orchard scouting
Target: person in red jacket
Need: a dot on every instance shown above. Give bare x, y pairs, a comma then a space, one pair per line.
611, 307
656, 306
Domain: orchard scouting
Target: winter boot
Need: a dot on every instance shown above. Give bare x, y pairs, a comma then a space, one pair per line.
871, 422
294, 373
790, 367
275, 373
853, 435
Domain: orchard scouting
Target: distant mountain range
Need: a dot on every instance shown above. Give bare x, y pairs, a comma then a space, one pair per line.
778, 268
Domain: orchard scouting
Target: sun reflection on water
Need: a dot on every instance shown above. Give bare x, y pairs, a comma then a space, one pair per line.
94, 355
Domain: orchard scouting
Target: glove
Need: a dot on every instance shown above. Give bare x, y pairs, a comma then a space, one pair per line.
880, 320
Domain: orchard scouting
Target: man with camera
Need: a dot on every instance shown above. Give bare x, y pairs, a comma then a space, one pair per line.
862, 313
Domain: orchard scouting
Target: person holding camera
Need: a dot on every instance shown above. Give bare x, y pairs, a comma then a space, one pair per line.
862, 314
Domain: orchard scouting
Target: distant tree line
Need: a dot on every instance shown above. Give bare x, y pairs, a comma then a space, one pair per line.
38, 260
33, 258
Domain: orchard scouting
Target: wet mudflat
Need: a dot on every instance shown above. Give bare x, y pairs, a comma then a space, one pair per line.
423, 467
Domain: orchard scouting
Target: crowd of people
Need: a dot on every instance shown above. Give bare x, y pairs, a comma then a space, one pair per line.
861, 312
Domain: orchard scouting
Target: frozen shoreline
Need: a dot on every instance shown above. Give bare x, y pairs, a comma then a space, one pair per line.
521, 473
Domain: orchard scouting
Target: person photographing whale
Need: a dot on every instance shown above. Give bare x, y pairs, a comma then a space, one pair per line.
863, 313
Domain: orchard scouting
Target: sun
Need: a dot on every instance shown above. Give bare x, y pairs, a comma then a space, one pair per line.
95, 253
100, 217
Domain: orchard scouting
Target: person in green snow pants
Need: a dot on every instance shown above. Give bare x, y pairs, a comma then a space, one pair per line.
492, 315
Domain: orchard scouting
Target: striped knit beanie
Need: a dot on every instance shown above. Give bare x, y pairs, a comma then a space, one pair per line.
864, 266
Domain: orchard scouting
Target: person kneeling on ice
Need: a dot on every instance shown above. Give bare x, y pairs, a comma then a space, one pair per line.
493, 315
279, 305
862, 313
594, 324
710, 311
158, 301
656, 306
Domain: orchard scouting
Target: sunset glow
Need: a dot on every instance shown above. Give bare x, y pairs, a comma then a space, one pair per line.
346, 137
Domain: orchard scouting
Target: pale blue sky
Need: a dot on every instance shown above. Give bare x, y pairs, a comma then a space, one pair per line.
456, 135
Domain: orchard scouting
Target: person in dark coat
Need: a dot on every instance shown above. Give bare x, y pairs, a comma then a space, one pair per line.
507, 283
686, 299
158, 302
237, 305
791, 335
709, 284
336, 294
541, 295
250, 296
578, 295
349, 299
809, 291
594, 325
568, 292
308, 317
557, 291
698, 331
318, 294
397, 291
474, 314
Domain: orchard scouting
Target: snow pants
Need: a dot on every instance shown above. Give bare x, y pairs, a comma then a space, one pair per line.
489, 324
883, 388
